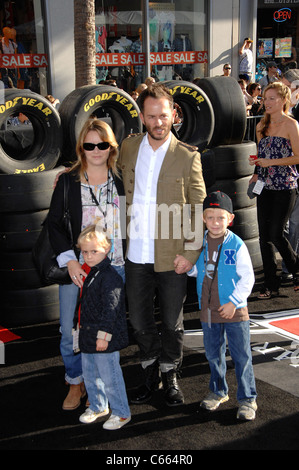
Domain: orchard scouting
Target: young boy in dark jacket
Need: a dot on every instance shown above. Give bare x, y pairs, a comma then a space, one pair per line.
102, 332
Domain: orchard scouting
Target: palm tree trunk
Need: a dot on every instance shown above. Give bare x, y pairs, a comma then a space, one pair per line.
84, 33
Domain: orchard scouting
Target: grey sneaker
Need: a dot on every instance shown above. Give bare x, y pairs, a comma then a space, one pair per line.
246, 410
212, 401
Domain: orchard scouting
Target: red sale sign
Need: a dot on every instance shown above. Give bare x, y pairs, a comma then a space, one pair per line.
156, 58
14, 61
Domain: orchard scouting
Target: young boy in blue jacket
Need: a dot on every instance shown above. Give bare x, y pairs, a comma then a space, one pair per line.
225, 279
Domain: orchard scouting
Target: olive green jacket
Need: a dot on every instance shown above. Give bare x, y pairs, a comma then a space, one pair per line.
180, 183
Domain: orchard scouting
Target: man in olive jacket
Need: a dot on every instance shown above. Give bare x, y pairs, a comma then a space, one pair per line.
162, 176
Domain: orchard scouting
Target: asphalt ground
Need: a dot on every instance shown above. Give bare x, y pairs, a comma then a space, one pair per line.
32, 389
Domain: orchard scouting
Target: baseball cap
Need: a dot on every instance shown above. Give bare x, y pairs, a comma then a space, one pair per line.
271, 64
248, 39
218, 200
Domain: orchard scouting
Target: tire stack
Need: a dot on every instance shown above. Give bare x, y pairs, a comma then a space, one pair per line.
30, 158
25, 200
225, 161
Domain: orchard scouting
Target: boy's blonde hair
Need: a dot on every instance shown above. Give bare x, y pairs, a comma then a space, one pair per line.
94, 233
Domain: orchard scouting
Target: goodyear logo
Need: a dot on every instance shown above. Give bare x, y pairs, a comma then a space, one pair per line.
21, 100
187, 91
111, 96
32, 170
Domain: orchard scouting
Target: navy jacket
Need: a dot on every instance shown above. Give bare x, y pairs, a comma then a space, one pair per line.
103, 309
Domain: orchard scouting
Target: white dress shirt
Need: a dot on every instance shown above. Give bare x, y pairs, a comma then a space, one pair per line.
143, 211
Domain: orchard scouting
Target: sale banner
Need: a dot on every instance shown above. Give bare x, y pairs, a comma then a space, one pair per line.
156, 58
13, 61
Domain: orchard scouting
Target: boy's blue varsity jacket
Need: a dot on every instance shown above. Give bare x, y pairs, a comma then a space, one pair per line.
235, 271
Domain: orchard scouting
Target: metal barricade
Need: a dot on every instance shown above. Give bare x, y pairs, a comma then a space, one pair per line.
252, 122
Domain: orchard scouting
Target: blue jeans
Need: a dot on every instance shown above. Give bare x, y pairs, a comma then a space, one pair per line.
68, 295
238, 337
104, 383
120, 270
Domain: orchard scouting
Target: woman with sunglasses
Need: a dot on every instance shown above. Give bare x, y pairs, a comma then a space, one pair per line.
95, 190
257, 105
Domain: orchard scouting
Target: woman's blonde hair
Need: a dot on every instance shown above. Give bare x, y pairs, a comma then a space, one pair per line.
285, 94
107, 135
93, 232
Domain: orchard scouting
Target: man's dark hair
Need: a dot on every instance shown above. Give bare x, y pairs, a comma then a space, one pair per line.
157, 91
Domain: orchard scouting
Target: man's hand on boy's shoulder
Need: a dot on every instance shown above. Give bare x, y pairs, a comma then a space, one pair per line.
227, 311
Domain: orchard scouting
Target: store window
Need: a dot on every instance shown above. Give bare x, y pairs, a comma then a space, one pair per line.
277, 36
178, 39
23, 62
176, 46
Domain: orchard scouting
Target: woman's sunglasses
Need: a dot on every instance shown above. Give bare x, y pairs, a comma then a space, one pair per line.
101, 146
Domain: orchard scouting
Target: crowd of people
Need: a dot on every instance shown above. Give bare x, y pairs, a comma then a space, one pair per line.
152, 169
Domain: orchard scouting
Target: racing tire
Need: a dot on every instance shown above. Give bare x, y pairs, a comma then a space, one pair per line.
236, 190
18, 271
231, 161
198, 116
27, 149
253, 245
106, 102
245, 223
19, 231
229, 109
30, 306
27, 192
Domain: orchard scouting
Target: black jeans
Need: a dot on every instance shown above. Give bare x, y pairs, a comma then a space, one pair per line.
165, 343
274, 209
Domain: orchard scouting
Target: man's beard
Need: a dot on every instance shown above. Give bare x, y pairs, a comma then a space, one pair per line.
155, 136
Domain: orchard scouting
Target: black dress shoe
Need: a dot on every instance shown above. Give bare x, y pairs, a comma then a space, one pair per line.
143, 395
152, 382
173, 393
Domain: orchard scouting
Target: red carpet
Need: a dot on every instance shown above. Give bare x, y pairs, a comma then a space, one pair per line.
6, 335
290, 324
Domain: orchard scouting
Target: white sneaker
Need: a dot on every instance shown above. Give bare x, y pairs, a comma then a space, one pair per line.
212, 401
115, 422
247, 410
90, 416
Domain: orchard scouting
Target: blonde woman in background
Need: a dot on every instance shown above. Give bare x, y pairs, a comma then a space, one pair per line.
278, 155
